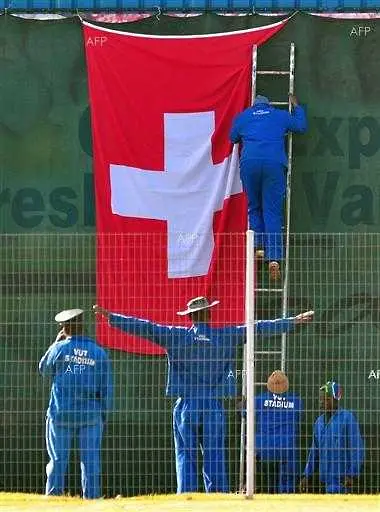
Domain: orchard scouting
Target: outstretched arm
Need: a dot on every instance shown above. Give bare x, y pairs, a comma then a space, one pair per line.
161, 334
270, 327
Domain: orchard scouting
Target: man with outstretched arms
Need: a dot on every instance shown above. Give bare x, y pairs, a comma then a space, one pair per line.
201, 360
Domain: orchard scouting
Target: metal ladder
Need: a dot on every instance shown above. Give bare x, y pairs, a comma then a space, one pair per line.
284, 289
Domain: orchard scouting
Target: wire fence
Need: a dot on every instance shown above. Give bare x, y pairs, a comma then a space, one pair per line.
337, 275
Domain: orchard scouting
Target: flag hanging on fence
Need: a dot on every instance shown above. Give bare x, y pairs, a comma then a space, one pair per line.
170, 213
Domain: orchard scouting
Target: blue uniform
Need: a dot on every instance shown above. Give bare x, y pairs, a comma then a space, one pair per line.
201, 372
261, 129
278, 418
337, 450
81, 396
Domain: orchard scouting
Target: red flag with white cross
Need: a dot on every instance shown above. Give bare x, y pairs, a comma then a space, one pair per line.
170, 212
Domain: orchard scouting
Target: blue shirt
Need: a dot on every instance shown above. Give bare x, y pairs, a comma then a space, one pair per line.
201, 359
337, 449
82, 387
262, 129
278, 418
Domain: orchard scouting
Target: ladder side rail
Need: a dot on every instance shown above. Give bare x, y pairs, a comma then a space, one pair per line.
287, 211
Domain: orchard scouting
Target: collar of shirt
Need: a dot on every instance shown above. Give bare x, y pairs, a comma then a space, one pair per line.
77, 337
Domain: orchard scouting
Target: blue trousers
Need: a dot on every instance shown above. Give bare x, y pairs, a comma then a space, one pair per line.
265, 185
58, 443
199, 425
334, 486
288, 471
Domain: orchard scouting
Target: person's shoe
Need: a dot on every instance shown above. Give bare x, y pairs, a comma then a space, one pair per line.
259, 254
274, 270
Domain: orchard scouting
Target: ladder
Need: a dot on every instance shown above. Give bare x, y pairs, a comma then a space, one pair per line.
283, 290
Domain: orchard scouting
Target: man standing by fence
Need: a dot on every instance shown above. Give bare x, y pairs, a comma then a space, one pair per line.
81, 396
337, 450
201, 361
278, 417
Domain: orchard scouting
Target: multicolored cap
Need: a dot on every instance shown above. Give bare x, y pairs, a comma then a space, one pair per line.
332, 389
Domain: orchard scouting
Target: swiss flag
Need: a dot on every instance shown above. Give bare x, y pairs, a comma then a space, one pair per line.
170, 212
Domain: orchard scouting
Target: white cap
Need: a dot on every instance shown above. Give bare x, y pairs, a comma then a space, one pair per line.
67, 315
307, 314
197, 304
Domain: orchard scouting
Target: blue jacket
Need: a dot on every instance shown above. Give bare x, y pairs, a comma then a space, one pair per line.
337, 448
82, 387
201, 359
262, 129
278, 418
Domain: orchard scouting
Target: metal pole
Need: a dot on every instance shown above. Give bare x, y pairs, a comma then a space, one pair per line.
250, 342
254, 73
287, 209
243, 426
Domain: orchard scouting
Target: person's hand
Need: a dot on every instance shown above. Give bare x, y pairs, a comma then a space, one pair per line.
304, 318
293, 100
304, 484
100, 311
348, 482
61, 335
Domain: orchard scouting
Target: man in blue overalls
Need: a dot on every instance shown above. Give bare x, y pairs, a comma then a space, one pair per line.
261, 129
81, 396
278, 418
201, 360
337, 450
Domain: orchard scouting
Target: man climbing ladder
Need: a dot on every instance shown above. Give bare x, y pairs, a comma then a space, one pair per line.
261, 129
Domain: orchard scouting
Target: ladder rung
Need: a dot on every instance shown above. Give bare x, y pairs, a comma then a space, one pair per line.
273, 72
279, 103
268, 352
275, 290
260, 383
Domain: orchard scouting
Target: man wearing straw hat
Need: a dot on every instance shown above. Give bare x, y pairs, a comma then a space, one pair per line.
200, 362
81, 396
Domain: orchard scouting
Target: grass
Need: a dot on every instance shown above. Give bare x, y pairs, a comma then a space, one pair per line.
17, 502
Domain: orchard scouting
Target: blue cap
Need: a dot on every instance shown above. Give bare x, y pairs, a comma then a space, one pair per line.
261, 99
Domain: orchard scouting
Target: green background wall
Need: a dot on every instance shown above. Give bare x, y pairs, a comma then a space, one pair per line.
46, 198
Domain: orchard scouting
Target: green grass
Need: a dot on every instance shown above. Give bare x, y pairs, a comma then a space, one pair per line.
15, 502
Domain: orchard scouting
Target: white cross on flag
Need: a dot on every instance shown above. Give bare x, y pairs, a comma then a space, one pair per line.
170, 213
